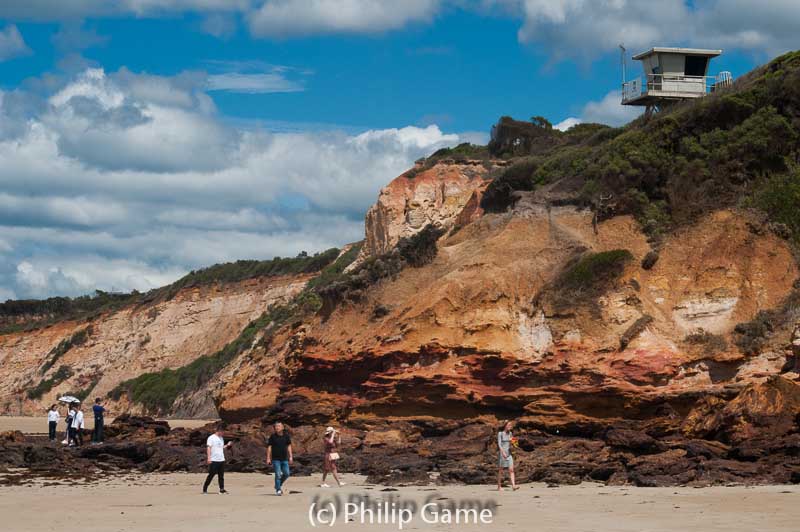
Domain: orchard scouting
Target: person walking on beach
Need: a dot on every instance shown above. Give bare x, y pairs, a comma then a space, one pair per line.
505, 460
332, 440
77, 426
99, 413
279, 453
70, 416
215, 456
52, 421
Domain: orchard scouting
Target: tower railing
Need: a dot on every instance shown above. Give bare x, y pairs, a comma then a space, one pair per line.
673, 85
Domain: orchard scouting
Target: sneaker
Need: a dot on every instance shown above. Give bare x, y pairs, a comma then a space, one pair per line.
279, 492
342, 484
223, 492
324, 485
205, 492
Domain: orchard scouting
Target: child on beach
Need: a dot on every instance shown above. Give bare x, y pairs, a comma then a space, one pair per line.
331, 439
52, 421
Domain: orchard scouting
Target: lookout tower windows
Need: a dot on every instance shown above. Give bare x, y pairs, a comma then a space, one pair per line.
695, 65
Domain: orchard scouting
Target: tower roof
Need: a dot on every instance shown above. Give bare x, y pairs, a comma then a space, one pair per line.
686, 51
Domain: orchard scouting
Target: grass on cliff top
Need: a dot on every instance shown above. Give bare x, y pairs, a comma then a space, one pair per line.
23, 315
690, 159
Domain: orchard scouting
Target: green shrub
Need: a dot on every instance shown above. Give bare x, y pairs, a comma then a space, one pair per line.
499, 195
62, 373
420, 249
335, 271
594, 270
78, 338
83, 393
710, 343
241, 270
779, 197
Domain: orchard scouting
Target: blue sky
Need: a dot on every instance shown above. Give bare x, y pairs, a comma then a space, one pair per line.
140, 139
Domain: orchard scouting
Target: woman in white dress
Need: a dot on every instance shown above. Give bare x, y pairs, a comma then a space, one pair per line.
505, 460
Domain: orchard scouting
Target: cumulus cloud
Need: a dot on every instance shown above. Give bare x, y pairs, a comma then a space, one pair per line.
284, 18
11, 43
124, 180
607, 111
586, 29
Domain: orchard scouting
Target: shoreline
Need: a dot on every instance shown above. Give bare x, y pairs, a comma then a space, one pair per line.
153, 501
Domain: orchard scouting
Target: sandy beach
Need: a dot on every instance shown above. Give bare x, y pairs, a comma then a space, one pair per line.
173, 502
38, 425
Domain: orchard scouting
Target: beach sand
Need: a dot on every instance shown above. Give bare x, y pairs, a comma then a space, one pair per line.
38, 425
173, 502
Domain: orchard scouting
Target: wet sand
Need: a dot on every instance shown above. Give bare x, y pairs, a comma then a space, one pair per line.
38, 425
173, 502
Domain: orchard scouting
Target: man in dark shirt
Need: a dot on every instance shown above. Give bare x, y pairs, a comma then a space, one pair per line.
99, 411
279, 453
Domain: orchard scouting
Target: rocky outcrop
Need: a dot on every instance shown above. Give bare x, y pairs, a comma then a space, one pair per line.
443, 194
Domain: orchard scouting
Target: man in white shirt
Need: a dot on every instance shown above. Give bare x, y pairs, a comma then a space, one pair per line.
215, 456
52, 421
77, 425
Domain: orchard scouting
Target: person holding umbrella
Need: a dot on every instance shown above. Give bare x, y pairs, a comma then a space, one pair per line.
70, 417
69, 400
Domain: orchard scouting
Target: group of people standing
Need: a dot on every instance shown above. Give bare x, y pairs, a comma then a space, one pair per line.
73, 435
279, 455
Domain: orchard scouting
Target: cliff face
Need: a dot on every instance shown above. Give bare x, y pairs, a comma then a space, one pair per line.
479, 331
434, 195
135, 340
645, 371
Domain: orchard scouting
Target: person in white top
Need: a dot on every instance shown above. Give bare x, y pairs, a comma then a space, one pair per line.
77, 426
215, 456
52, 421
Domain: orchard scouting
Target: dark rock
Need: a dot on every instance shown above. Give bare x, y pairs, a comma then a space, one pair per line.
632, 439
649, 260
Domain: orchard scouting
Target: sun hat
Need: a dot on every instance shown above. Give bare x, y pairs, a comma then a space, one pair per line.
328, 430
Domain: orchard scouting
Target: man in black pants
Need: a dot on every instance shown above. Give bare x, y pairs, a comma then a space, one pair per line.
99, 420
52, 421
215, 456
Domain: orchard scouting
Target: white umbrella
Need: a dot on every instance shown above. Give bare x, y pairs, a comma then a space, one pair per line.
69, 399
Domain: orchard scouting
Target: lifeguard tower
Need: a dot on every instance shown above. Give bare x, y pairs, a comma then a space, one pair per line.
671, 75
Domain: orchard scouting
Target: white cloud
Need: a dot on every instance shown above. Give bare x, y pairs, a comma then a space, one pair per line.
284, 18
567, 123
607, 111
123, 180
586, 29
252, 83
11, 43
